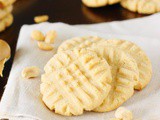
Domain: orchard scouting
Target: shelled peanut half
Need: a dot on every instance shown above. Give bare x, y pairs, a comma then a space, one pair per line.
45, 43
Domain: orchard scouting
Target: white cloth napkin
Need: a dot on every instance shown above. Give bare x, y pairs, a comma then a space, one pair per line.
146, 26
22, 98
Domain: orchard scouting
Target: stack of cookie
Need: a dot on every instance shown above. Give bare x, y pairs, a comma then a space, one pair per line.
93, 74
6, 18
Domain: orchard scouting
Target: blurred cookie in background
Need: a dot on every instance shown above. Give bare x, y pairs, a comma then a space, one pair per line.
99, 3
142, 6
105, 14
6, 22
93, 15
6, 17
4, 12
5, 3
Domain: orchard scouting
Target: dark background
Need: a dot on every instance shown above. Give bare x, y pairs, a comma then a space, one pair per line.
68, 11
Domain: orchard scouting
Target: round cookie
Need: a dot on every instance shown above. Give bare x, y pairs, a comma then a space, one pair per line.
142, 6
125, 76
5, 51
99, 3
143, 62
125, 73
6, 22
75, 80
5, 3
80, 42
4, 12
85, 42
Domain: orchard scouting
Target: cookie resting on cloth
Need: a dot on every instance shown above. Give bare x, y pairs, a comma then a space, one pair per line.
143, 62
74, 81
125, 76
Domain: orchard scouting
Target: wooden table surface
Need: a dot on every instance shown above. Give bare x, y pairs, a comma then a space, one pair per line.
68, 11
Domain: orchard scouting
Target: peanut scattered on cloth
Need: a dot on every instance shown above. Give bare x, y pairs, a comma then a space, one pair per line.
123, 114
45, 42
50, 36
30, 72
45, 46
37, 35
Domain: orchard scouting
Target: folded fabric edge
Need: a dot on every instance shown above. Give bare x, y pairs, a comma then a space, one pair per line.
17, 117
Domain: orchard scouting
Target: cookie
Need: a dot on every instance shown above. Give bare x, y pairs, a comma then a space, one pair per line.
80, 42
143, 62
125, 76
4, 12
5, 51
124, 69
142, 6
2, 62
4, 3
6, 22
74, 81
99, 3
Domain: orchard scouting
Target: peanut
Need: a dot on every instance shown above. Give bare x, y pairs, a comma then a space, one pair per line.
37, 35
41, 18
50, 36
123, 113
30, 72
45, 46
